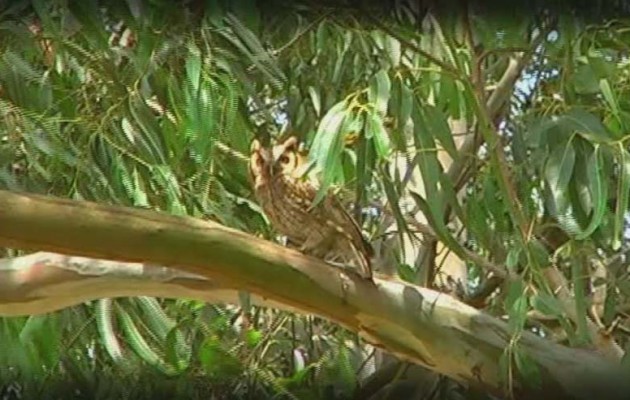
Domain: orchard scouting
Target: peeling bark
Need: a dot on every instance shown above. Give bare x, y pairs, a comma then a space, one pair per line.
214, 262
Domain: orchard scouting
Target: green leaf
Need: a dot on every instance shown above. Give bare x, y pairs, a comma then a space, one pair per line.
394, 199
253, 337
512, 259
364, 168
610, 304
558, 171
477, 222
604, 86
218, 363
527, 368
585, 80
427, 161
579, 267
193, 67
538, 254
515, 291
406, 272
139, 344
623, 193
42, 333
587, 125
315, 98
401, 101
149, 128
169, 183
379, 91
249, 44
328, 146
546, 304
598, 190
392, 46
449, 97
375, 131
406, 103
518, 314
438, 125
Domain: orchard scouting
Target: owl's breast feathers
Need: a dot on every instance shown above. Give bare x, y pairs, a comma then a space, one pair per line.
288, 202
325, 229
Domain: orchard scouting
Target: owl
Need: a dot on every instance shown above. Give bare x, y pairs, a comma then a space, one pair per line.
324, 230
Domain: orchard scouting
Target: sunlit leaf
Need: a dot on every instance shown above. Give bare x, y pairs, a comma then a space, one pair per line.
315, 99
379, 91
328, 145
376, 132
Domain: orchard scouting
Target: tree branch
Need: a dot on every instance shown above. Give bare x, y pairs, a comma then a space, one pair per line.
417, 324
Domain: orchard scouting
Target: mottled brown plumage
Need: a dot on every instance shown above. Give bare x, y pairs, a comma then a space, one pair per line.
325, 230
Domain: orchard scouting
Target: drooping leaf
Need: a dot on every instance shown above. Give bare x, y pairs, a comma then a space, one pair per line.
623, 194
587, 125
315, 99
376, 132
598, 189
436, 122
379, 91
559, 170
328, 145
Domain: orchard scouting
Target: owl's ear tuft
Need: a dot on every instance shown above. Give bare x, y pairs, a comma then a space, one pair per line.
255, 146
291, 143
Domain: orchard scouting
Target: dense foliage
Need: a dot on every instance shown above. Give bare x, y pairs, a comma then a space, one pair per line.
144, 104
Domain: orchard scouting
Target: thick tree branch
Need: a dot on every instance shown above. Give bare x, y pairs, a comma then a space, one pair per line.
417, 324
45, 282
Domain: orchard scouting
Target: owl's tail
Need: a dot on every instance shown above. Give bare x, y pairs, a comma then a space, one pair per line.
363, 257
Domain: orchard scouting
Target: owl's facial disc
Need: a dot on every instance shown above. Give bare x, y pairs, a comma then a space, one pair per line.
260, 164
284, 156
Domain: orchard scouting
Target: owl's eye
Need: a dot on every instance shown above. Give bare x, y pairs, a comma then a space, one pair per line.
284, 159
259, 161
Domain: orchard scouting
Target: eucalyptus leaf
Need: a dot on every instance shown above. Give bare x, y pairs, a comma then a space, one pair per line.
379, 91
378, 134
315, 99
547, 304
527, 368
328, 146
559, 169
599, 192
436, 122
587, 125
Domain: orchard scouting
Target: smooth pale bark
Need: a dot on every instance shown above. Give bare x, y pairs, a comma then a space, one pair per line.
417, 324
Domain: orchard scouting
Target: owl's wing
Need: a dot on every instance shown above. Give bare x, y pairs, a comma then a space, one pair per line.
331, 211
340, 217
346, 220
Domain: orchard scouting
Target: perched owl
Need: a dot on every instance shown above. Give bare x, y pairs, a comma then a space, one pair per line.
326, 230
